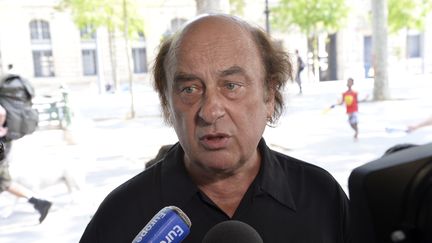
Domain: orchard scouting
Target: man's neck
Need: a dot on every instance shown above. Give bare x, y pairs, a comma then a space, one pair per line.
227, 191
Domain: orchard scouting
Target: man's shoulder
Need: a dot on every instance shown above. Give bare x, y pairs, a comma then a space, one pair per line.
290, 162
141, 181
124, 211
296, 168
135, 189
129, 198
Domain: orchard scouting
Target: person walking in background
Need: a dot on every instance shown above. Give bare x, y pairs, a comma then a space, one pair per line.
11, 69
350, 99
3, 129
6, 182
300, 66
424, 123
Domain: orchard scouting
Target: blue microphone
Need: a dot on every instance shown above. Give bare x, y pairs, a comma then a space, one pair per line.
170, 224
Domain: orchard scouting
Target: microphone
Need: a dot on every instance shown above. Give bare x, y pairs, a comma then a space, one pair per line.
170, 224
232, 231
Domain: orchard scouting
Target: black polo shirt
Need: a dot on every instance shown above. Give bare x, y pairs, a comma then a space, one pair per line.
289, 201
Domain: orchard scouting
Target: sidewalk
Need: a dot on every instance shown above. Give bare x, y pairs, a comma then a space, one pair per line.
110, 149
327, 140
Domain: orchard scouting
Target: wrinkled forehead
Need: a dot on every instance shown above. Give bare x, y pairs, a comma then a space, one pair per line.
216, 25
210, 30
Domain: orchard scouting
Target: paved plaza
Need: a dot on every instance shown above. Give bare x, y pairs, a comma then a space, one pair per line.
104, 148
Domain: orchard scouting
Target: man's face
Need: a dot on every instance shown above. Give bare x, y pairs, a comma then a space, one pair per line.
218, 104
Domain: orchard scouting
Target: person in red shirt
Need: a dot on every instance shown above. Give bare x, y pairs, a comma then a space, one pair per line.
349, 98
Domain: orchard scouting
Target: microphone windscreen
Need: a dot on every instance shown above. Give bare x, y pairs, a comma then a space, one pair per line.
232, 231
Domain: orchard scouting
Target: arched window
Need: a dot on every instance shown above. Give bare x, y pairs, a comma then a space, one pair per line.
40, 30
43, 61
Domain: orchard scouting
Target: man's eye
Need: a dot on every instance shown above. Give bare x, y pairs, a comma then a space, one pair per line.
189, 89
231, 86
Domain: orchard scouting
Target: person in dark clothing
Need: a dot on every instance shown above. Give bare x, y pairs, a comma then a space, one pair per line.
220, 83
163, 150
6, 181
300, 66
7, 184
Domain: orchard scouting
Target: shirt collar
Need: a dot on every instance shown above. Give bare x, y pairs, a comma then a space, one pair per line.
272, 178
178, 188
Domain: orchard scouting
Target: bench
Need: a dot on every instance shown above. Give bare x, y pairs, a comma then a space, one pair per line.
54, 110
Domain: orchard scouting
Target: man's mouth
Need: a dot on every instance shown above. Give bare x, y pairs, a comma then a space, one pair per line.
214, 141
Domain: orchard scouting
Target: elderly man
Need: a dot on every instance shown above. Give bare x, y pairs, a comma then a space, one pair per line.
219, 81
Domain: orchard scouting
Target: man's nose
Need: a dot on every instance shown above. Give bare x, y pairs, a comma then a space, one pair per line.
211, 108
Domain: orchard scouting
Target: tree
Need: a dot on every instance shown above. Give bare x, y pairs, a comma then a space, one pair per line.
312, 17
109, 14
237, 7
409, 14
115, 15
380, 58
390, 18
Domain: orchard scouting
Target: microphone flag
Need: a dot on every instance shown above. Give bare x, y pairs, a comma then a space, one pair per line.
169, 225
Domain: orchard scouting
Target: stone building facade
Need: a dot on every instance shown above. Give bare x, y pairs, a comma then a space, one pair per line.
44, 44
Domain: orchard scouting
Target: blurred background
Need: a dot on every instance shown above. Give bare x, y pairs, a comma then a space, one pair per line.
100, 121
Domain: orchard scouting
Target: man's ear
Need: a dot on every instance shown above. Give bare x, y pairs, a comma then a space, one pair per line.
270, 98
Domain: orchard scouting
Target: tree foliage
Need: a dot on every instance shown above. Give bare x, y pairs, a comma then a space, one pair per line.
407, 14
311, 16
104, 13
237, 7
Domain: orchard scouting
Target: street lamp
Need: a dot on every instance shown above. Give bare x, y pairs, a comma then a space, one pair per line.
267, 13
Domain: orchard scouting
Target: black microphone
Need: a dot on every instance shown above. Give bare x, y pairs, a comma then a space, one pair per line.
232, 231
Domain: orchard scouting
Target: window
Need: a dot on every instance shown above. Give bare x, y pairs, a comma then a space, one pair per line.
88, 50
40, 31
89, 62
43, 63
413, 46
88, 33
139, 53
139, 60
367, 56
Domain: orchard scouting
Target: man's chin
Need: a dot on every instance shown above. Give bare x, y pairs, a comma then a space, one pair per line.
220, 169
